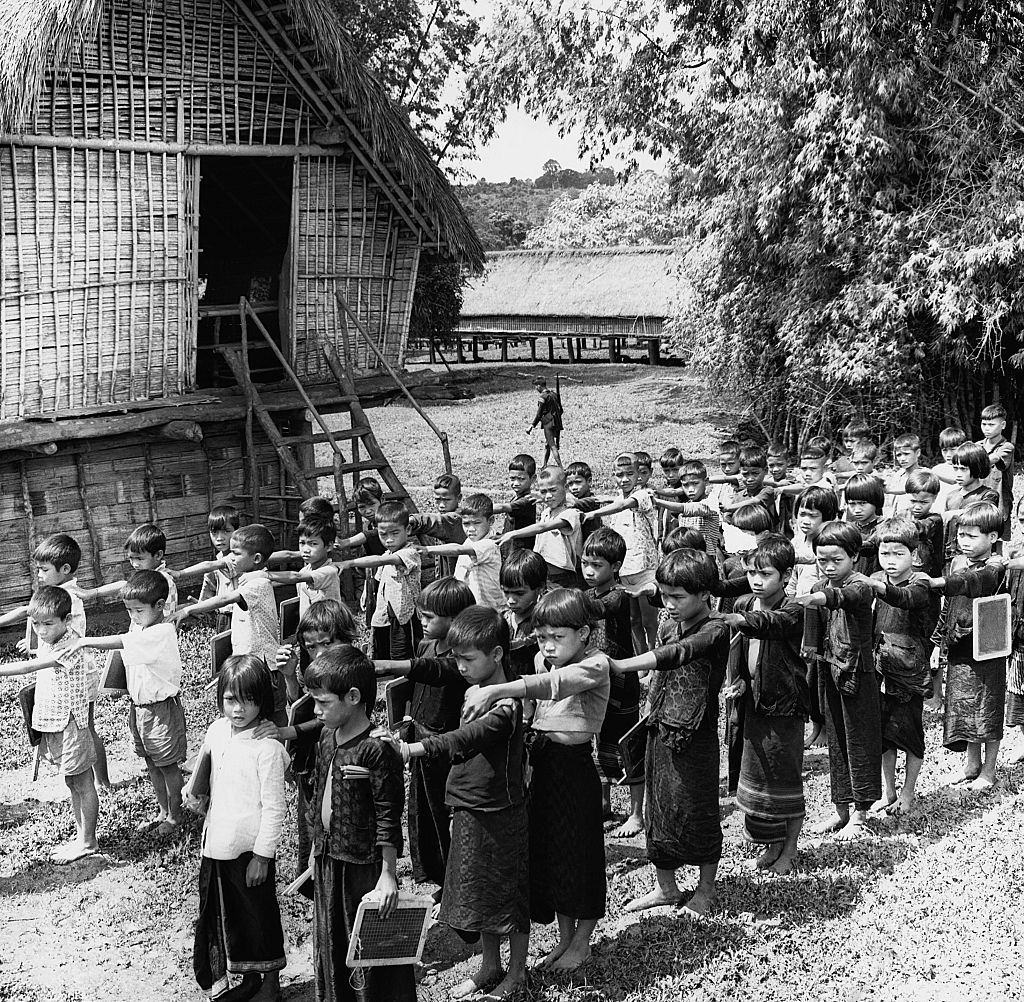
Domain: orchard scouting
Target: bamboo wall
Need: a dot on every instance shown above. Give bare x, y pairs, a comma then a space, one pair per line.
99, 490
347, 238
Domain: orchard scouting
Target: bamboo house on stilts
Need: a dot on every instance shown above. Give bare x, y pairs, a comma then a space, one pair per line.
211, 221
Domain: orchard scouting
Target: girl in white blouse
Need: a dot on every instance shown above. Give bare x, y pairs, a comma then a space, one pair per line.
239, 783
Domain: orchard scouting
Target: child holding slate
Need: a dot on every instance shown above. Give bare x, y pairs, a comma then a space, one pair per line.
239, 927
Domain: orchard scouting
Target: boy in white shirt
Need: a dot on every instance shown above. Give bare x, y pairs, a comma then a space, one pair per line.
559, 539
319, 577
479, 563
152, 666
61, 711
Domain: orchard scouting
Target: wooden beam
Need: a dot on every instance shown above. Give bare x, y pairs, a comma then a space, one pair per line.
155, 146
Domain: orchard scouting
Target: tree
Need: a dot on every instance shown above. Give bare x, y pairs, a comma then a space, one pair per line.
511, 230
850, 176
552, 166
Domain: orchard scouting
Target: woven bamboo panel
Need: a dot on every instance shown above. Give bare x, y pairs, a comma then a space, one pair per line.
122, 482
347, 239
179, 70
96, 285
635, 326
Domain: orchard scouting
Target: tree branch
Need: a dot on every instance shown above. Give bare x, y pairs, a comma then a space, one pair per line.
415, 61
1002, 112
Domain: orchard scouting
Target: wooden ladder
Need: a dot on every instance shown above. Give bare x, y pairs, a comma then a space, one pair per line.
363, 454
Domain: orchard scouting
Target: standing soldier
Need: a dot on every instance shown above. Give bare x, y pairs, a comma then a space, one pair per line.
549, 417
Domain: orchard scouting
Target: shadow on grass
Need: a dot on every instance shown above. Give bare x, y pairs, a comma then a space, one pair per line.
43, 876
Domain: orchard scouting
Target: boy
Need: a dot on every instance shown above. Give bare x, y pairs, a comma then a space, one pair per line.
770, 678
220, 523
838, 638
356, 819
682, 821
904, 623
975, 690
753, 488
725, 486
627, 515
971, 470
479, 561
524, 578
922, 490
670, 462
444, 525
1000, 454
779, 475
152, 664
56, 561
863, 459
559, 539
603, 554
865, 499
579, 483
62, 710
691, 501
319, 577
549, 417
949, 440
907, 454
522, 509
435, 708
644, 471
855, 433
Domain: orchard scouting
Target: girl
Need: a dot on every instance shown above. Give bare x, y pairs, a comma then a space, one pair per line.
486, 884
1015, 669
571, 687
239, 925
865, 498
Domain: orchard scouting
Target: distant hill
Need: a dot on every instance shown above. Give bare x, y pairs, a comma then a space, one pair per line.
504, 212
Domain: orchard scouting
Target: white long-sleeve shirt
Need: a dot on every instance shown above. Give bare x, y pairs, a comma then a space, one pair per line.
247, 805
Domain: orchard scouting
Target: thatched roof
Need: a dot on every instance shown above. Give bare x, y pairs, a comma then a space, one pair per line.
601, 282
37, 34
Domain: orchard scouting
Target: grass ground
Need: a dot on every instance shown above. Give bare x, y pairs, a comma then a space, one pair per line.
926, 909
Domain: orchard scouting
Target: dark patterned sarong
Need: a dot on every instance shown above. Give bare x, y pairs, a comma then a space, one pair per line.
567, 861
1015, 690
487, 883
771, 791
430, 837
903, 723
853, 726
622, 715
975, 699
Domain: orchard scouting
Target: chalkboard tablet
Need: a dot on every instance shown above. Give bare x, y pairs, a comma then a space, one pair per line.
993, 628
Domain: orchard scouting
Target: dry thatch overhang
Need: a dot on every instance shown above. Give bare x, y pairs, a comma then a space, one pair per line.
309, 37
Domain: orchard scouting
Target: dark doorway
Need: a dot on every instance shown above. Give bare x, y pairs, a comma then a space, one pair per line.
245, 208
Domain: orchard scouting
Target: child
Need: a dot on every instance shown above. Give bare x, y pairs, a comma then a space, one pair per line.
356, 818
814, 507
628, 516
570, 686
239, 926
694, 507
971, 468
753, 488
152, 664
814, 470
975, 690
904, 623
56, 561
444, 525
838, 637
487, 883
220, 523
61, 711
1015, 667
479, 560
522, 509
579, 484
549, 417
319, 578
682, 821
779, 476
558, 530
865, 498
435, 708
1000, 454
670, 462
770, 678
922, 489
368, 499
857, 432
907, 454
254, 623
644, 467
725, 486
949, 440
524, 578
603, 554
863, 459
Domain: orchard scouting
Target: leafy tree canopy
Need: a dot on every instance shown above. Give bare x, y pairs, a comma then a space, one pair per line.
851, 173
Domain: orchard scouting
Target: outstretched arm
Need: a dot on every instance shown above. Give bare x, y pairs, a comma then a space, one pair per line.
102, 592
203, 567
27, 667
17, 615
528, 531
448, 550
209, 605
612, 508
115, 643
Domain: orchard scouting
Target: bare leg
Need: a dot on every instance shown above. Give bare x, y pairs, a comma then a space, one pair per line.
649, 622
518, 945
856, 826
666, 893
634, 824
606, 799
972, 765
85, 804
767, 858
987, 777
888, 782
566, 931
784, 864
704, 896
905, 804
1017, 756
490, 968
815, 739
637, 627
171, 779
100, 768
578, 951
270, 989
838, 820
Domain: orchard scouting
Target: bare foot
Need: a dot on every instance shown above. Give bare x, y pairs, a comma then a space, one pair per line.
768, 857
654, 899
557, 952
144, 826
72, 851
881, 806
508, 987
814, 740
477, 983
572, 958
167, 827
853, 829
834, 824
269, 990
699, 904
963, 776
982, 782
630, 827
904, 804
783, 865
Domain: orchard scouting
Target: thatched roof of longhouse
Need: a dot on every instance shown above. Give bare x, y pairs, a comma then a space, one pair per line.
38, 34
599, 282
